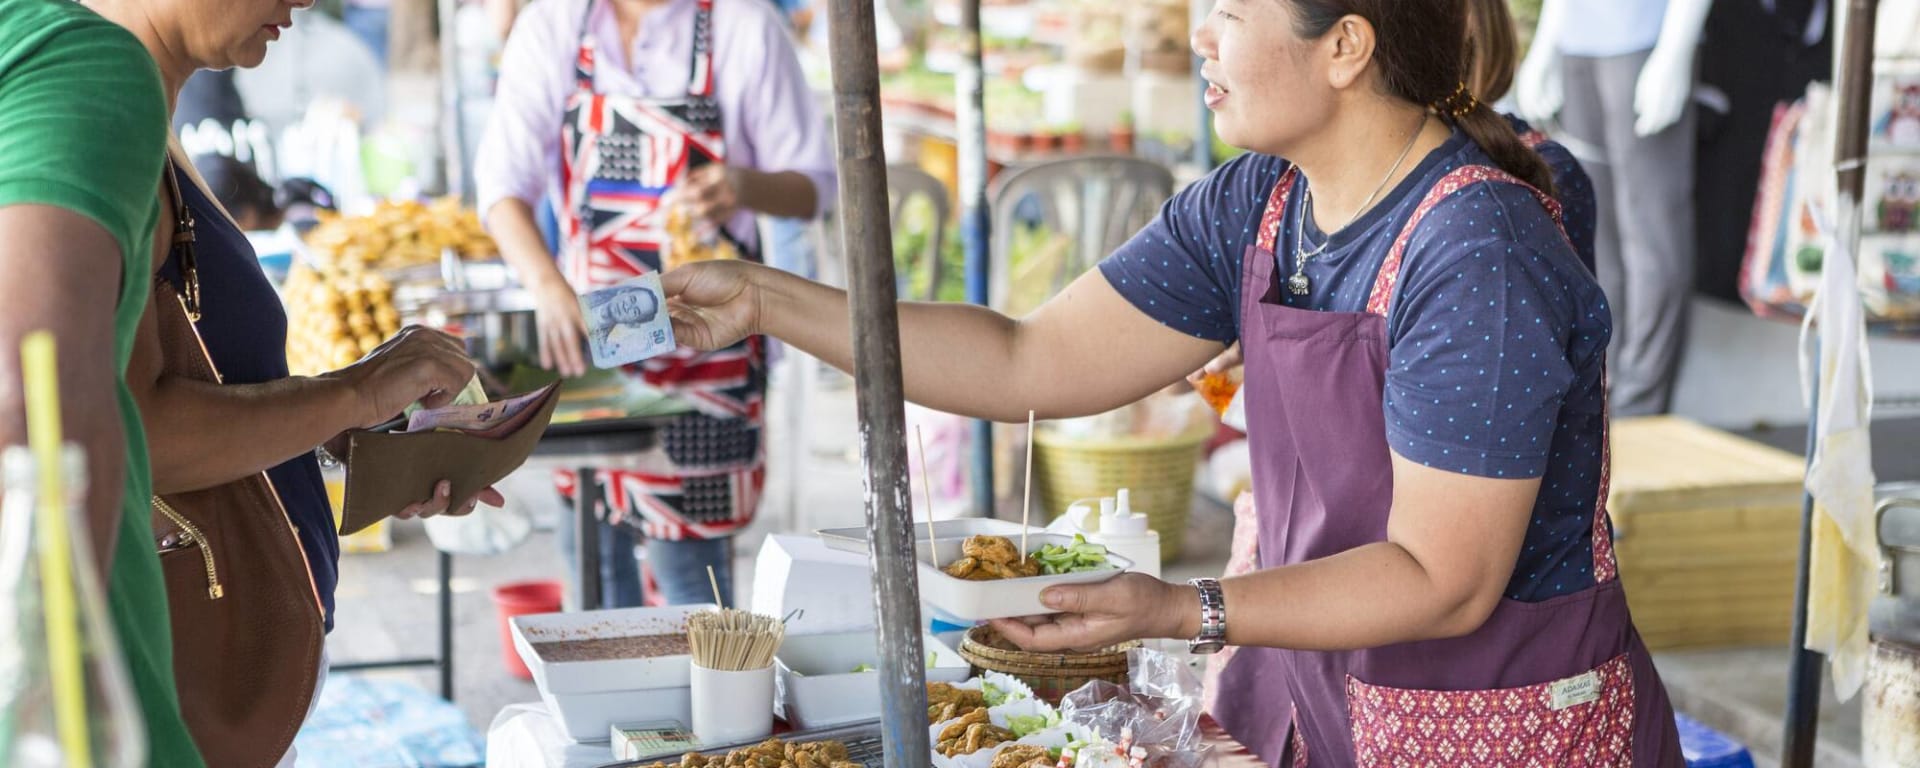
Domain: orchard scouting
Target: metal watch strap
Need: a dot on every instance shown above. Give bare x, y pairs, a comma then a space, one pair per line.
1213, 617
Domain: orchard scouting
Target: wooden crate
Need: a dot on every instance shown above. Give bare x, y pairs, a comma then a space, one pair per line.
1707, 533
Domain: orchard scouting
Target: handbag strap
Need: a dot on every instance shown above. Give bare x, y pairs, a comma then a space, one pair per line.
181, 251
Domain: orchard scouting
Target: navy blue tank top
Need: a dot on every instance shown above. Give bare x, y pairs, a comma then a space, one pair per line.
244, 326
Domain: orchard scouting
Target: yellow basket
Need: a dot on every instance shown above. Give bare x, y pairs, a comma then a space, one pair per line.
1158, 474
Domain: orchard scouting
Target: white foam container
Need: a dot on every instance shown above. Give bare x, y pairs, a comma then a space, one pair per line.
817, 687
590, 696
962, 601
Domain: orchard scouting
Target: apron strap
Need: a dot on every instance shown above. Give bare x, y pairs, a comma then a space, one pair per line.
701, 84
583, 61
1460, 178
1276, 210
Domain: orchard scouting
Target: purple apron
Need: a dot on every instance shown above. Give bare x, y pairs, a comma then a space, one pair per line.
1565, 682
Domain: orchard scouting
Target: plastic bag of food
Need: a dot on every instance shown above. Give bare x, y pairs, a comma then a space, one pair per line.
1157, 713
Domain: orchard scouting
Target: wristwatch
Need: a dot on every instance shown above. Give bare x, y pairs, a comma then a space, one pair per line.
1213, 618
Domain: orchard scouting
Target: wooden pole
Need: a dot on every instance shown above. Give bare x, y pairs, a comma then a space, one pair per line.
1855, 81
867, 240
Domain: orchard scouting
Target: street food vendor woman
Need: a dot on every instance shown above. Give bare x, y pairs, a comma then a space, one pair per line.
1425, 388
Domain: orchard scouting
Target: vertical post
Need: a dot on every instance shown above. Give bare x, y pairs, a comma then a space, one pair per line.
446, 626
867, 239
453, 110
1850, 160
586, 539
976, 221
1203, 117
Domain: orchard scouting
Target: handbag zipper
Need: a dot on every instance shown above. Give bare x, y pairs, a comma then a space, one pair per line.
193, 536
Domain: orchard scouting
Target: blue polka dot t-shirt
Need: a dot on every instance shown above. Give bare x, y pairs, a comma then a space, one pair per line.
1497, 334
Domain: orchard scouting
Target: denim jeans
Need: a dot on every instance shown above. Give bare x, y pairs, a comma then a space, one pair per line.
679, 567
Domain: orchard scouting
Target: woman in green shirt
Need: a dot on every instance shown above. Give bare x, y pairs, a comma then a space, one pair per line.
82, 127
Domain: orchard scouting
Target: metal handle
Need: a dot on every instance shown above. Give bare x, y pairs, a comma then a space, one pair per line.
1886, 552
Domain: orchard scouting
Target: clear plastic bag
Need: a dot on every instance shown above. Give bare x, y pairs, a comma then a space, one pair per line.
1157, 714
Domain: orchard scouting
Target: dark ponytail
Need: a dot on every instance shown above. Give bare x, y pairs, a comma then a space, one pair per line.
1420, 49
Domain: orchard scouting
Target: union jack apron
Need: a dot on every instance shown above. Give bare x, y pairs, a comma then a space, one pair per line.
620, 156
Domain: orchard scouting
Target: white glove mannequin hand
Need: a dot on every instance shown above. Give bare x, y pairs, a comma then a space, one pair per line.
1540, 87
1666, 81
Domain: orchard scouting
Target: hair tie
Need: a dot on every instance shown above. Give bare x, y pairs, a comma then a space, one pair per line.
1457, 104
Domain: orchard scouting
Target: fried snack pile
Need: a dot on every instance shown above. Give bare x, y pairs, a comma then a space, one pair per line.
335, 317
990, 558
684, 244
970, 734
772, 753
401, 234
1023, 756
945, 702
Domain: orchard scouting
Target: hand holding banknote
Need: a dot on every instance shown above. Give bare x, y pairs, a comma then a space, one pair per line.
417, 365
627, 323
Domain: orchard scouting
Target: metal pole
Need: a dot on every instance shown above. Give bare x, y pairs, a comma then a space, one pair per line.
453, 104
1804, 670
867, 239
1850, 160
446, 626
976, 221
586, 539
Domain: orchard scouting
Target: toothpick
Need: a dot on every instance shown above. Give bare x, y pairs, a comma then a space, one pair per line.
715, 581
926, 482
1026, 506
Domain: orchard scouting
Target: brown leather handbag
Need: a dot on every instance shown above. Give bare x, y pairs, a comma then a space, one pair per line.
247, 624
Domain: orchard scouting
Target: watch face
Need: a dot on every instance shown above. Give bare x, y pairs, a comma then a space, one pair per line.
1204, 647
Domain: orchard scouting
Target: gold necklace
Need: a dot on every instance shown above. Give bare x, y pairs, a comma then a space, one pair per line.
1299, 284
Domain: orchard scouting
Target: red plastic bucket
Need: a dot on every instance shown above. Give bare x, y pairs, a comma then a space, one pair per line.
523, 598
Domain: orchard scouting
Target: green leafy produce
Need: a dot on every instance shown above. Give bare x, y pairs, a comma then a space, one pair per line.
996, 697
1027, 725
1078, 557
863, 668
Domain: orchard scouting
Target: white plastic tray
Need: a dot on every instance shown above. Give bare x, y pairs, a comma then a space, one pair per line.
818, 688
610, 675
983, 600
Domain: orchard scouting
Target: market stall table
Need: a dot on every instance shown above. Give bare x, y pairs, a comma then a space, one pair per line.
528, 736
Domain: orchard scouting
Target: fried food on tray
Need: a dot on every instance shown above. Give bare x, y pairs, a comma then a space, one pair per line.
1023, 756
945, 702
978, 736
991, 558
684, 244
959, 728
772, 753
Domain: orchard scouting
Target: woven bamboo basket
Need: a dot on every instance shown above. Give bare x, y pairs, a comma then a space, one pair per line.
1051, 675
1158, 474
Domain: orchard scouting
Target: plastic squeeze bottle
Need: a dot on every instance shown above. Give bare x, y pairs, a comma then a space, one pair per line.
1126, 533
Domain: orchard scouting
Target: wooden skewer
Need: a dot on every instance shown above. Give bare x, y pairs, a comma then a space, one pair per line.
1026, 506
926, 482
715, 581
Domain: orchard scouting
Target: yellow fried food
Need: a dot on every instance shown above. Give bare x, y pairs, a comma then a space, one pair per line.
772, 753
992, 549
1022, 756
959, 728
684, 245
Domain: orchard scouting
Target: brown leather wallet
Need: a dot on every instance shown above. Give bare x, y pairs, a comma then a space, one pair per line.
386, 471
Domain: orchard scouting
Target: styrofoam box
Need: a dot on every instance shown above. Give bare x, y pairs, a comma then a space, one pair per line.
818, 688
970, 601
590, 696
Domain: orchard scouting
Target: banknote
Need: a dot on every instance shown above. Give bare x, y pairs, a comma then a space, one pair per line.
472, 394
627, 323
472, 418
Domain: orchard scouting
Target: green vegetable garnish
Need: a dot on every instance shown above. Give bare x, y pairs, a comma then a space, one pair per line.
863, 668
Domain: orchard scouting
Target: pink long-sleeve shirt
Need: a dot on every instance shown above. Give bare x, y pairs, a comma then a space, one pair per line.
767, 111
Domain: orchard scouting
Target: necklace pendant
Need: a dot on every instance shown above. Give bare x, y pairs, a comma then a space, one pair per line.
1299, 285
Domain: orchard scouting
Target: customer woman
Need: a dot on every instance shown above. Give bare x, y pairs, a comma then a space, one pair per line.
1425, 392
605, 107
259, 419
